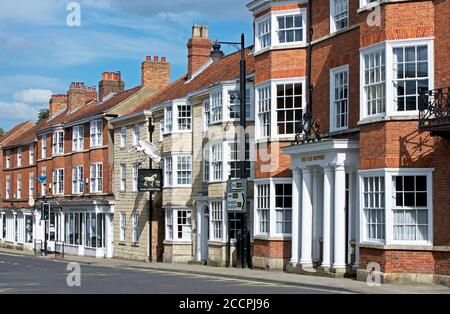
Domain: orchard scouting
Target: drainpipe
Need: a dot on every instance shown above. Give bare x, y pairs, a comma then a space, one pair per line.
309, 57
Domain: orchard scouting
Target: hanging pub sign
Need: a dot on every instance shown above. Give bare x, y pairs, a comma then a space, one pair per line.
150, 180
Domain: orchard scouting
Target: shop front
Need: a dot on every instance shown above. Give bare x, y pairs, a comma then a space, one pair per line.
17, 228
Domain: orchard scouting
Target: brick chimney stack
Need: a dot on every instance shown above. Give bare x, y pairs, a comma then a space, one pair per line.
199, 49
111, 83
155, 73
57, 103
79, 94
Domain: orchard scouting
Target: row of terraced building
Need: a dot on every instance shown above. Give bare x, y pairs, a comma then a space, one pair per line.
372, 79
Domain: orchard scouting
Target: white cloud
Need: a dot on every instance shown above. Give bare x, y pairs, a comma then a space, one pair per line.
33, 96
19, 112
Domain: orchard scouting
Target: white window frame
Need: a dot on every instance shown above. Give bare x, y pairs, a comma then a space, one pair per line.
123, 178
31, 154
274, 40
58, 181
123, 137
136, 134
389, 173
333, 21
368, 3
185, 235
168, 119
19, 156
57, 144
44, 147
390, 102
171, 176
19, 188
273, 107
78, 138
333, 111
31, 185
96, 178
183, 173
96, 133
123, 226
7, 159
169, 224
161, 130
217, 221
135, 226
206, 114
78, 180
8, 188
262, 203
272, 209
216, 101
216, 161
263, 33
136, 167
183, 122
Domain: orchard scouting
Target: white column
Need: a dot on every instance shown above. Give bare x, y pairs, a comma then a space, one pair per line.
339, 217
327, 199
315, 212
306, 247
296, 188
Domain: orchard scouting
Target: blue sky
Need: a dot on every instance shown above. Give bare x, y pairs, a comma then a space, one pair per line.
41, 55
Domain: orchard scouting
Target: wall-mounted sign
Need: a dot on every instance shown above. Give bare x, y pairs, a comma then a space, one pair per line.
150, 180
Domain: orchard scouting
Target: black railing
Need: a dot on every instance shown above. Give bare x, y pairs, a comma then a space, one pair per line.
59, 249
434, 109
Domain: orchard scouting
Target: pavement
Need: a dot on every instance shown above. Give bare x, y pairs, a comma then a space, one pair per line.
196, 278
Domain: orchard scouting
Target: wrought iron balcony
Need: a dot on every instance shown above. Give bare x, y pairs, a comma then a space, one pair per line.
434, 112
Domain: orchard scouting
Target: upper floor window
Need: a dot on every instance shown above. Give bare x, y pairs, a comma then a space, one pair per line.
411, 75
280, 28
8, 158
217, 162
19, 189
184, 117
77, 138
44, 146
136, 134
394, 74
58, 143
339, 98
263, 33
123, 177
123, 137
58, 182
216, 106
374, 82
19, 156
96, 133
338, 15
31, 154
168, 116
135, 177
178, 170
289, 107
161, 130
8, 188
206, 114
96, 178
43, 182
235, 104
31, 185
77, 180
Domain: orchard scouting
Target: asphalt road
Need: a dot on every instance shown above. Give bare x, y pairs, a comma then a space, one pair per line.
29, 274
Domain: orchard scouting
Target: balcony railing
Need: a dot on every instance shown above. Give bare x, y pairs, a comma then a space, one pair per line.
434, 111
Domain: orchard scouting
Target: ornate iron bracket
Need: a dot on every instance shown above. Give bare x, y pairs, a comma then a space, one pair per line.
308, 129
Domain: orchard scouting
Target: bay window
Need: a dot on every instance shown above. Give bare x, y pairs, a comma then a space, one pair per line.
177, 117
96, 133
184, 117
58, 142
397, 206
78, 138
263, 208
168, 115
96, 178
289, 110
283, 208
264, 120
206, 114
58, 182
279, 28
339, 98
411, 76
216, 101
178, 170
393, 74
178, 224
77, 180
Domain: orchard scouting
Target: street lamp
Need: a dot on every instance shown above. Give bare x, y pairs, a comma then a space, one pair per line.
242, 138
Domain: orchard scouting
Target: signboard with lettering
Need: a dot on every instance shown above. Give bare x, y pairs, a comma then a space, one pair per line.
150, 180
236, 195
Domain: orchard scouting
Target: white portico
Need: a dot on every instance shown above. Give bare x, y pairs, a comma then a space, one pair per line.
324, 209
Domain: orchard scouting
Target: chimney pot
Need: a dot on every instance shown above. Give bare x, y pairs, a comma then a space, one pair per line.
148, 58
155, 58
163, 59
